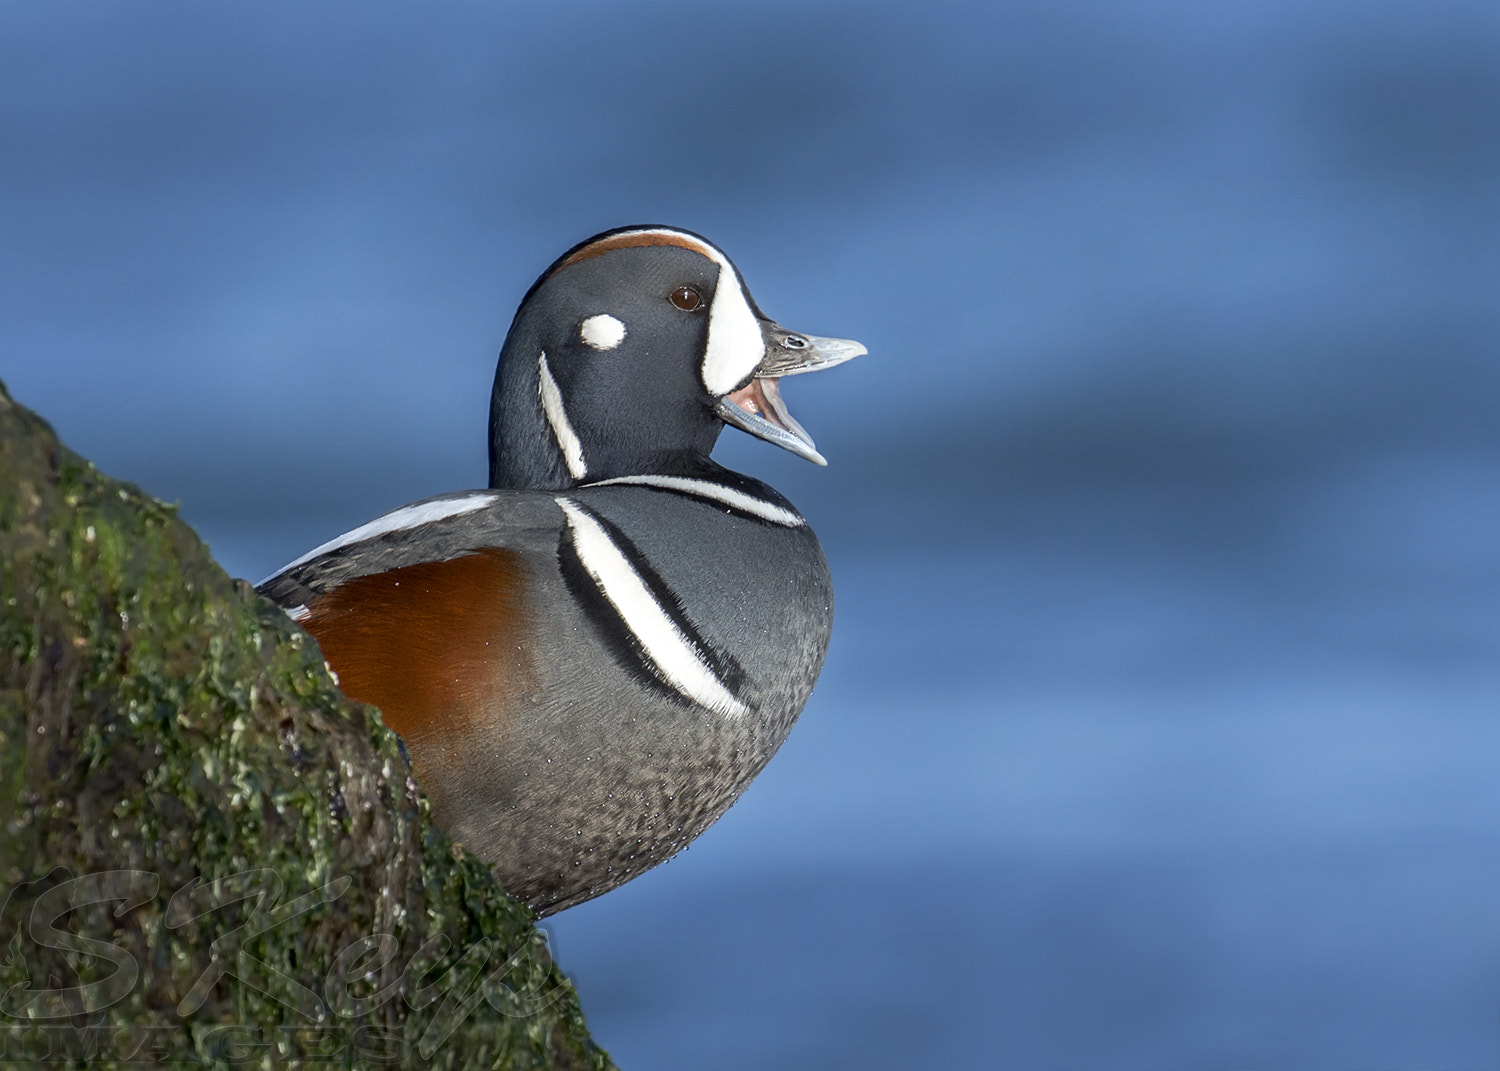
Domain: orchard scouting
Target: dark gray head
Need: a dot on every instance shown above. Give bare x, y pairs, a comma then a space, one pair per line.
629, 355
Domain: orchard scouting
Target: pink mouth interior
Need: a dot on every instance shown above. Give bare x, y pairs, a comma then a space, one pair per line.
762, 397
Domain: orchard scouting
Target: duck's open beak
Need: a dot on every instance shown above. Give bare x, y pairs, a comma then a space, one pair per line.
757, 406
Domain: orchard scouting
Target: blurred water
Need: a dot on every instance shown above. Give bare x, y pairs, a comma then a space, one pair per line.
1159, 725
1157, 823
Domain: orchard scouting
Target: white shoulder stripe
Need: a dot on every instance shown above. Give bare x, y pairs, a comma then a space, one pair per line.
666, 646
397, 520
562, 431
747, 503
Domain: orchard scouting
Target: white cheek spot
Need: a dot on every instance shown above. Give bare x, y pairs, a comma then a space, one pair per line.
603, 332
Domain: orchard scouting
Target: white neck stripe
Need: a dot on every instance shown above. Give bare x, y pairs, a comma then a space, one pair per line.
413, 516
728, 496
660, 638
557, 417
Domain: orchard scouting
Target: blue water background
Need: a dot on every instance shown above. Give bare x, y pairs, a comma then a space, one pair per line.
1160, 724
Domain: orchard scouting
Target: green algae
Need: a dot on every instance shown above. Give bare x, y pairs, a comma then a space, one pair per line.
208, 855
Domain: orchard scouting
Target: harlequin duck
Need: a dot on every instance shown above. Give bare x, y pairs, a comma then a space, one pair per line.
590, 660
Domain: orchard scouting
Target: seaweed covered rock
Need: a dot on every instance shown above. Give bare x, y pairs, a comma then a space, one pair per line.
208, 855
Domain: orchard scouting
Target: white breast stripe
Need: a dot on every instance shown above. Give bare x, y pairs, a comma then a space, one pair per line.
766, 511
663, 642
299, 613
397, 520
562, 431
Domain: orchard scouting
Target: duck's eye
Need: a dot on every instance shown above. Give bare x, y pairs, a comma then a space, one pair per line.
686, 298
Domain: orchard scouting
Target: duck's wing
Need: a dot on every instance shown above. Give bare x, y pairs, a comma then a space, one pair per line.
428, 607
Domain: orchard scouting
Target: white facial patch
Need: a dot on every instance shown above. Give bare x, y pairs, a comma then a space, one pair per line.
413, 516
662, 641
735, 346
557, 417
602, 332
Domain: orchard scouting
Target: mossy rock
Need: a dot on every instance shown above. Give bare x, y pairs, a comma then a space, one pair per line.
208, 855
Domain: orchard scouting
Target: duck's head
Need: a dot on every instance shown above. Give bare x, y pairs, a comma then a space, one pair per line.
630, 354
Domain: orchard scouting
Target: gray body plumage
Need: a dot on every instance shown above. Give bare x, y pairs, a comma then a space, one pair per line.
602, 774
